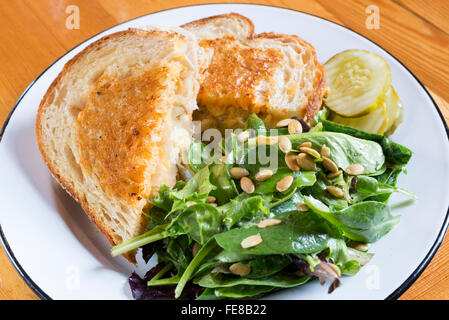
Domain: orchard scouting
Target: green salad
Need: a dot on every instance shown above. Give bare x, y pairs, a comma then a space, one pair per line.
241, 227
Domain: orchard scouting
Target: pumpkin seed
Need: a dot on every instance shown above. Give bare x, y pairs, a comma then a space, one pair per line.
251, 241
305, 144
240, 269
268, 223
247, 185
263, 175
325, 151
333, 175
285, 144
335, 268
290, 160
283, 123
302, 207
243, 136
195, 249
238, 172
211, 199
330, 165
306, 162
266, 140
284, 183
335, 191
355, 169
294, 127
310, 151
360, 246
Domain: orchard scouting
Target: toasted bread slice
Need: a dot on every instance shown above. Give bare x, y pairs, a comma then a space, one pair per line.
226, 25
273, 75
112, 125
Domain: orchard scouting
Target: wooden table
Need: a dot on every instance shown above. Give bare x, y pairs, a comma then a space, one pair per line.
34, 34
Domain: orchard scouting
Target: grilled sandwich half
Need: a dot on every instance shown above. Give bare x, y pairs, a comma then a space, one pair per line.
273, 75
113, 124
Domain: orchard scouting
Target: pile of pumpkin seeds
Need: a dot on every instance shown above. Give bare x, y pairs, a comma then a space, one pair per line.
306, 160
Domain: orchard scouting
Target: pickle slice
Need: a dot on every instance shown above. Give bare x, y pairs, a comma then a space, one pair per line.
357, 82
394, 110
373, 122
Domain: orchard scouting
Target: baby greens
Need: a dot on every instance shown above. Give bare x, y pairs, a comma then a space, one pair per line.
215, 241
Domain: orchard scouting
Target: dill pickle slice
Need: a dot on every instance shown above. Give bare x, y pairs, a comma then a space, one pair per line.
358, 81
394, 110
373, 122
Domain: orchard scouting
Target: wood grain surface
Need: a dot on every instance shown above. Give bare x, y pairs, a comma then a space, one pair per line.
34, 34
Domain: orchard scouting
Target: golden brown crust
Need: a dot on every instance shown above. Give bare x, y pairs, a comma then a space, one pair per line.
315, 99
231, 87
234, 74
208, 20
116, 130
49, 95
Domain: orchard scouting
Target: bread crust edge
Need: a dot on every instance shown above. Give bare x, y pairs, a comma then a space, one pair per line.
206, 20
130, 256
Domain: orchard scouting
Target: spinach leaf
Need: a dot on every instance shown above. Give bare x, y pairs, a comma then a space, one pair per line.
163, 200
319, 191
199, 156
225, 186
200, 221
367, 185
323, 114
394, 153
299, 232
345, 149
371, 189
301, 180
288, 206
317, 128
157, 233
244, 207
155, 217
227, 256
362, 258
280, 280
277, 200
265, 266
208, 294
389, 177
255, 123
241, 291
177, 251
364, 221
347, 259
261, 266
198, 186
201, 256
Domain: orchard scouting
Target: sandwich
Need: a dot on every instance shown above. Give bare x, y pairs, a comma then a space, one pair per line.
275, 76
112, 126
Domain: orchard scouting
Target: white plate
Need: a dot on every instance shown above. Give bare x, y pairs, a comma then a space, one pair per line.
60, 254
